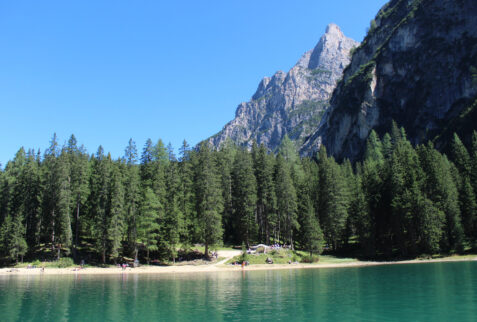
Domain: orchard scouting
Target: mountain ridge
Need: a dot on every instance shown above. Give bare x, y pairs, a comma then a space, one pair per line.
291, 103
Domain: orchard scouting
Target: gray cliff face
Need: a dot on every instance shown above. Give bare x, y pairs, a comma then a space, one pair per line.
291, 103
417, 66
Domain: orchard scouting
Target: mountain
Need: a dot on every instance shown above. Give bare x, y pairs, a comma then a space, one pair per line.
291, 103
416, 66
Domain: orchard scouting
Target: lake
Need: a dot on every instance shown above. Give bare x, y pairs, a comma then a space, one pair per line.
411, 292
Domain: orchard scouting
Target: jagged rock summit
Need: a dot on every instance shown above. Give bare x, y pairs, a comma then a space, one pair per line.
291, 103
416, 66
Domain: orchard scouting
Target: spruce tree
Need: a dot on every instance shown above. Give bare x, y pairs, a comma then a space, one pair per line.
266, 201
209, 198
286, 201
12, 235
186, 194
173, 223
334, 199
32, 190
131, 195
117, 222
79, 175
310, 229
244, 194
148, 221
98, 202
225, 161
461, 157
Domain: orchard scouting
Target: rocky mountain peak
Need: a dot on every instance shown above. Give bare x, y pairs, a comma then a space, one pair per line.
333, 29
329, 50
291, 103
416, 66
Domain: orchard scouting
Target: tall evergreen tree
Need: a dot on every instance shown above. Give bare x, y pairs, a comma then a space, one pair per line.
79, 175
286, 201
117, 222
225, 160
334, 199
98, 202
148, 221
266, 201
173, 222
131, 195
209, 199
244, 197
12, 237
187, 194
310, 229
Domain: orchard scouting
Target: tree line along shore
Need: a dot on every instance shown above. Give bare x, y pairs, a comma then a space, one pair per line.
399, 201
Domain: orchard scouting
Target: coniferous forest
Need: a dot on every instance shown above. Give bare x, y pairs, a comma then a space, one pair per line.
400, 201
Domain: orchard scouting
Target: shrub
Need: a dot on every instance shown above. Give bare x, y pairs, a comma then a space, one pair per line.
65, 262
310, 259
260, 250
36, 263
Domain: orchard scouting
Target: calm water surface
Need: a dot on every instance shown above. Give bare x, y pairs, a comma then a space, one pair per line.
416, 292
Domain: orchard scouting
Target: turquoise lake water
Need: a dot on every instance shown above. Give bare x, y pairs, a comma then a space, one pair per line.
415, 292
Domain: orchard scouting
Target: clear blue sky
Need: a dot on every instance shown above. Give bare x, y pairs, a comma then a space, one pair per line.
110, 70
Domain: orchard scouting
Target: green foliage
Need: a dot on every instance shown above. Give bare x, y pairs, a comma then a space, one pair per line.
399, 201
319, 71
244, 256
310, 259
64, 262
148, 221
244, 197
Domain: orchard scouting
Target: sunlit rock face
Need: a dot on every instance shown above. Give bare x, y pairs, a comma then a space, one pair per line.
291, 103
418, 67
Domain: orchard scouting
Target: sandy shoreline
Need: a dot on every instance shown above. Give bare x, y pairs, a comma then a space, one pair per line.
216, 267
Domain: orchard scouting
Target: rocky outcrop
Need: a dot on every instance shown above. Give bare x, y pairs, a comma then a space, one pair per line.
291, 103
417, 66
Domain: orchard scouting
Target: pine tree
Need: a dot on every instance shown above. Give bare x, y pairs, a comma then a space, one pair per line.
117, 223
12, 235
360, 212
131, 195
468, 207
98, 202
209, 198
461, 157
56, 198
374, 148
244, 194
79, 175
334, 199
32, 190
148, 221
473, 180
187, 194
266, 201
147, 168
406, 176
286, 201
64, 235
310, 229
225, 161
431, 223
173, 222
